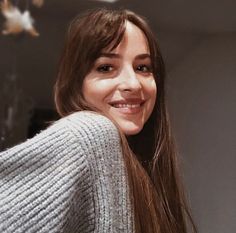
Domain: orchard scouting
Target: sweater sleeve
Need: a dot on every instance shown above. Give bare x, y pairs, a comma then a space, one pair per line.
64, 179
113, 212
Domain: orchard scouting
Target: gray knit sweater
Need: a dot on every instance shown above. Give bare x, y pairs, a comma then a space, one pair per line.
68, 178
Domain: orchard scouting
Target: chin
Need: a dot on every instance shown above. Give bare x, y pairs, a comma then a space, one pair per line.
128, 131
129, 127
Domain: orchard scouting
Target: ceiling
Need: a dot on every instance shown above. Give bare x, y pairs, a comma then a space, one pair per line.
191, 15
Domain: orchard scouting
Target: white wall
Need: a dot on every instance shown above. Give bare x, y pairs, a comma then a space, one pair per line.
202, 100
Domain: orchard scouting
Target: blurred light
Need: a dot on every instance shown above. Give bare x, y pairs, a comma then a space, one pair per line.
110, 1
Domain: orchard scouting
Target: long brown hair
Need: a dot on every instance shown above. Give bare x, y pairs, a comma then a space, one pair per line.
156, 191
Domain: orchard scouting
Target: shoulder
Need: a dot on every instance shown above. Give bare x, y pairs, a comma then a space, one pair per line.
79, 129
89, 119
90, 125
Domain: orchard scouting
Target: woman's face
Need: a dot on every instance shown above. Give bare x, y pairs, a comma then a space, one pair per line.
121, 82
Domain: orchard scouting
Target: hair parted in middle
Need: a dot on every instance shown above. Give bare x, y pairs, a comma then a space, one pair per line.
150, 156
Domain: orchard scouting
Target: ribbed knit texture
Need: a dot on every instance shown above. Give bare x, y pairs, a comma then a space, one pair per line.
69, 178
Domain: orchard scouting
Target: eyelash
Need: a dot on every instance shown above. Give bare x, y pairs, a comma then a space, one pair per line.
148, 68
105, 68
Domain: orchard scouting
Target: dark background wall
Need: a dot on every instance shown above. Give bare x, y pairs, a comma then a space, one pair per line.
198, 41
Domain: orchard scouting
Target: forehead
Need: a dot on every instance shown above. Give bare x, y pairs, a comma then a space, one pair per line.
133, 30
134, 40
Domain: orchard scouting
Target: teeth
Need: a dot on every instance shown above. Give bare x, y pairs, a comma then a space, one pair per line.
126, 105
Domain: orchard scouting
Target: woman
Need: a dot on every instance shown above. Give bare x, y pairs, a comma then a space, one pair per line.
113, 57
111, 65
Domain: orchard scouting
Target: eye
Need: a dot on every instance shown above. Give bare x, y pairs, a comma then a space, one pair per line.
144, 68
105, 68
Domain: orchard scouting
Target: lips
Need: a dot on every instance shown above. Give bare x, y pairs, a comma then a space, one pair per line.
128, 106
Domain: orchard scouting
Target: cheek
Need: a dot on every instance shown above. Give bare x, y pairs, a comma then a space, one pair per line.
151, 89
152, 94
96, 91
89, 92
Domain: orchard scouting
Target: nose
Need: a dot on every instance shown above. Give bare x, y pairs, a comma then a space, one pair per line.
129, 80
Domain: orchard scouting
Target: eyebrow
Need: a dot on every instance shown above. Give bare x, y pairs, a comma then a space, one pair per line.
115, 55
143, 56
110, 55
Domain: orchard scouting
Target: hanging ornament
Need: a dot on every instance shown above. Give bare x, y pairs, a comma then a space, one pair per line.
17, 22
38, 3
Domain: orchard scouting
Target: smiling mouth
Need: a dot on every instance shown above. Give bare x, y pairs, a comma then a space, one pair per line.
128, 107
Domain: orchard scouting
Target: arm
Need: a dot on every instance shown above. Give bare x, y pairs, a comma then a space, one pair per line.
69, 178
